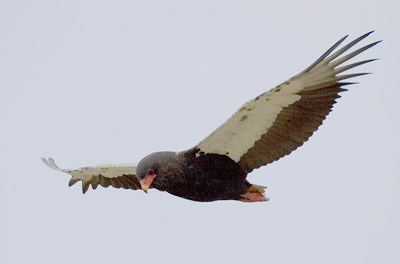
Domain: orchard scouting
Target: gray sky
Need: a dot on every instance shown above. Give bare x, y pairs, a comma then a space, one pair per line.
87, 82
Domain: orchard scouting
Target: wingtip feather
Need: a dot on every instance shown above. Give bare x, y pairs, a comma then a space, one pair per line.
85, 186
347, 76
45, 161
51, 164
350, 66
347, 83
72, 181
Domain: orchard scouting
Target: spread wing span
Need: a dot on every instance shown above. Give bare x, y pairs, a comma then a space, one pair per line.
117, 175
275, 123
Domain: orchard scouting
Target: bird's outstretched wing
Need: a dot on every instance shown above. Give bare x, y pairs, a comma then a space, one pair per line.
275, 123
116, 175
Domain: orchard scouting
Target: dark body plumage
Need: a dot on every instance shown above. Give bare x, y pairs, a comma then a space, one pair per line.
194, 175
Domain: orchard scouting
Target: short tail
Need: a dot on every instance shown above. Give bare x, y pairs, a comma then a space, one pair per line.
255, 193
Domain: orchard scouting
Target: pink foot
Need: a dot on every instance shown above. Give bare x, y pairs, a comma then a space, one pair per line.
254, 194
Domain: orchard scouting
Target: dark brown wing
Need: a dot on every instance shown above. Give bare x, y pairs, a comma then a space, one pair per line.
277, 122
116, 175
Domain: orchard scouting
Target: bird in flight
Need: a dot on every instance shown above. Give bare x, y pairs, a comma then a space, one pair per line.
263, 130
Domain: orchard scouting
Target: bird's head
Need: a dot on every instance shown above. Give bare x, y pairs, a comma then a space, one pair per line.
153, 171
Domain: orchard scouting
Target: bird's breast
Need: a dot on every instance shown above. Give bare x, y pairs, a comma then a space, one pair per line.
208, 177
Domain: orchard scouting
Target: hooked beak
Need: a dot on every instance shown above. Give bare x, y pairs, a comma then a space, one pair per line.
147, 181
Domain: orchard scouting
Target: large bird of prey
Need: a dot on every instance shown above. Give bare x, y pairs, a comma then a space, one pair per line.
263, 130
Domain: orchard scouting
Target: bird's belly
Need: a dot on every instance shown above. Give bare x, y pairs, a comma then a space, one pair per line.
206, 189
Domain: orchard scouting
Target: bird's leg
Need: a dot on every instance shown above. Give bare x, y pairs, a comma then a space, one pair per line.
255, 193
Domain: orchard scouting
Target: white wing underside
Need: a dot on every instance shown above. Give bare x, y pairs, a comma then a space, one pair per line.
239, 133
121, 175
108, 170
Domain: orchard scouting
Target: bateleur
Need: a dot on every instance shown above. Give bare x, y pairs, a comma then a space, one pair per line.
263, 130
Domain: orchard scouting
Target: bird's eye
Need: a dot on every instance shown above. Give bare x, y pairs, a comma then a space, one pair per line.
151, 172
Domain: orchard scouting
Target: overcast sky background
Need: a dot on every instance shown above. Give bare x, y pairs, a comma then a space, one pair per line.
87, 82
